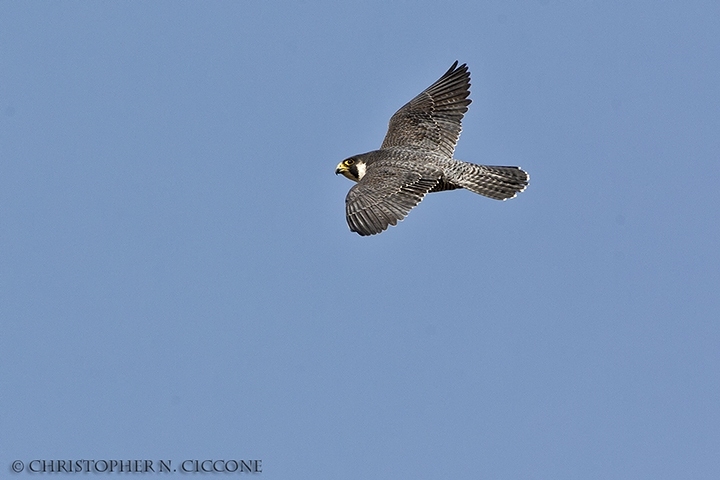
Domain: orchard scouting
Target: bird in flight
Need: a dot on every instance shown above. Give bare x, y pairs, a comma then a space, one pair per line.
416, 158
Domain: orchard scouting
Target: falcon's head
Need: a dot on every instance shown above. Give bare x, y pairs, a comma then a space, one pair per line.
353, 168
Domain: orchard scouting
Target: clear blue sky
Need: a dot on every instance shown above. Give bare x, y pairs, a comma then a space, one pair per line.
177, 280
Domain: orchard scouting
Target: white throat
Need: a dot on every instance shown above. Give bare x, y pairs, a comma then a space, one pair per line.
361, 167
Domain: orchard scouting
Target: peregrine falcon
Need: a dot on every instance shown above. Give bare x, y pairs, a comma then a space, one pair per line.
416, 158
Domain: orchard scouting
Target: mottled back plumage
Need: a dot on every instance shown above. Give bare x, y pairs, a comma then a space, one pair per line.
416, 158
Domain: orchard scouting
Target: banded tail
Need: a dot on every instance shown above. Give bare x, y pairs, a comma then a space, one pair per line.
495, 182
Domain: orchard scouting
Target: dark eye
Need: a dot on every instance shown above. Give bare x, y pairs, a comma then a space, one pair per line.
350, 161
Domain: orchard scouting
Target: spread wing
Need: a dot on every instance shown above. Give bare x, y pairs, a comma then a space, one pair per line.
384, 196
432, 119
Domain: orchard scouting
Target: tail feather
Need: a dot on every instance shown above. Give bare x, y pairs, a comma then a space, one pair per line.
495, 182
